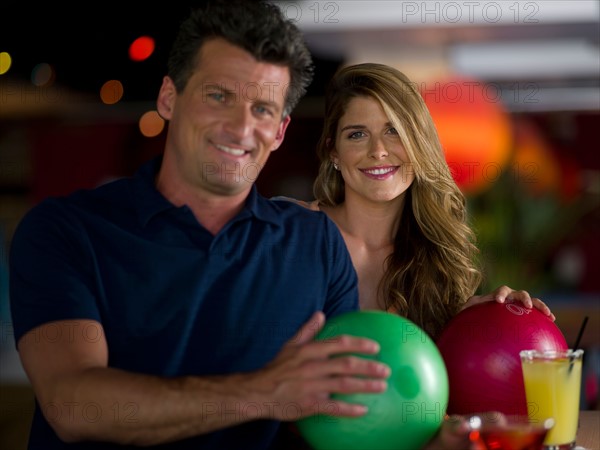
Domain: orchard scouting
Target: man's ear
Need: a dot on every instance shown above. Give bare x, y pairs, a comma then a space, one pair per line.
281, 132
166, 98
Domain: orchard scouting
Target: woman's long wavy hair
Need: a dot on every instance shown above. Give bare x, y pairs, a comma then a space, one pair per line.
432, 270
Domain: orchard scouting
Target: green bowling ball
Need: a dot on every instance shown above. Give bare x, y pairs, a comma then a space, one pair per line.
409, 412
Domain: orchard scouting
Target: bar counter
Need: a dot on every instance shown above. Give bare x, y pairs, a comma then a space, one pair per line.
588, 434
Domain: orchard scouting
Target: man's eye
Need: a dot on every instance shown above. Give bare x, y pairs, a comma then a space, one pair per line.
218, 96
263, 110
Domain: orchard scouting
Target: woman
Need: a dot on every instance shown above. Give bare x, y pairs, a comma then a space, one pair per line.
384, 181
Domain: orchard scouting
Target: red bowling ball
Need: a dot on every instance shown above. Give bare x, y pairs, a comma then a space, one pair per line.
480, 347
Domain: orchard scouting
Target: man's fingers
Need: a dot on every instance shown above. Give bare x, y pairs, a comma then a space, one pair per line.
335, 408
335, 346
309, 330
351, 366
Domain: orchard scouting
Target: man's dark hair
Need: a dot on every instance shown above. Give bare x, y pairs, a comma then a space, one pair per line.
258, 27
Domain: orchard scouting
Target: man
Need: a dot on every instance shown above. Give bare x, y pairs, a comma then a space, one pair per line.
177, 308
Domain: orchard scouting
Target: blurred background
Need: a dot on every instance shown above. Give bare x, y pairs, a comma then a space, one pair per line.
514, 89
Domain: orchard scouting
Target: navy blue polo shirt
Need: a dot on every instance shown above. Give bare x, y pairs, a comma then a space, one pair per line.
172, 298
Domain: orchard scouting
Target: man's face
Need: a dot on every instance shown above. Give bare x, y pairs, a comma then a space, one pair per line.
226, 122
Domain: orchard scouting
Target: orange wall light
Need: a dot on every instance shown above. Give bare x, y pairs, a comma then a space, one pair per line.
474, 129
534, 162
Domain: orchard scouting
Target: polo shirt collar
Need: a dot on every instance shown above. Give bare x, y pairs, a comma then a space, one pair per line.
261, 208
149, 202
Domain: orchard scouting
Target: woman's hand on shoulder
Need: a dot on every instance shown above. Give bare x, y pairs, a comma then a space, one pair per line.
314, 205
505, 293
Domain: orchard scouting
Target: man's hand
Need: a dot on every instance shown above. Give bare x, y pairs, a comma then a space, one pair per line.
300, 380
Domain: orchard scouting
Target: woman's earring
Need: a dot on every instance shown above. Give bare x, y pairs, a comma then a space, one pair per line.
336, 166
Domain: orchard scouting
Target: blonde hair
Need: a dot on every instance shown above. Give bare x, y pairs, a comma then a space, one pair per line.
432, 270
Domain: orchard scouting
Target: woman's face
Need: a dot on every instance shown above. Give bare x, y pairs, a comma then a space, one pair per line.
370, 156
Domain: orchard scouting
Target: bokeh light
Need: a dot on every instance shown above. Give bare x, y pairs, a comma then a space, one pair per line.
475, 131
141, 48
111, 92
43, 75
151, 124
5, 62
534, 162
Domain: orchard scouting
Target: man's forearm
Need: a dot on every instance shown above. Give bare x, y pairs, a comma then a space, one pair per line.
106, 404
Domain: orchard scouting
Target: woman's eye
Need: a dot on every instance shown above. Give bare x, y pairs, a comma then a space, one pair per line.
392, 130
356, 135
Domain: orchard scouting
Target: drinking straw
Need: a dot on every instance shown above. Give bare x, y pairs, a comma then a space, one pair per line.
576, 346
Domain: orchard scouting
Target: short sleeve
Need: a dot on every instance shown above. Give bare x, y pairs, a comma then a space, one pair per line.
49, 273
343, 281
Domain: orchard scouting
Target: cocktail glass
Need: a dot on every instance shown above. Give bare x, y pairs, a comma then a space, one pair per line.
508, 432
552, 388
